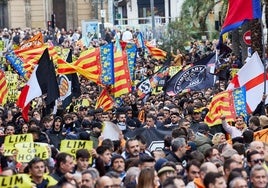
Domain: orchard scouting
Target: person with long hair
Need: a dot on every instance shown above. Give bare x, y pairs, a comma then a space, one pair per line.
148, 179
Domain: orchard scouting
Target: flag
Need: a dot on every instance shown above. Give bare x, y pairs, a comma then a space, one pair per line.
88, 65
251, 75
240, 11
146, 86
194, 78
31, 56
34, 42
156, 52
17, 64
230, 103
122, 80
107, 64
42, 81
140, 41
131, 50
3, 88
69, 85
104, 101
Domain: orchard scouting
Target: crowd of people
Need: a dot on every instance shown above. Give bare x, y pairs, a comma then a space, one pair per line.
193, 155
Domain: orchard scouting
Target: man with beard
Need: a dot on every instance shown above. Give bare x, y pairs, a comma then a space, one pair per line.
132, 149
118, 165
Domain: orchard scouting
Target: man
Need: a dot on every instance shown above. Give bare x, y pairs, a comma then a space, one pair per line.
175, 118
238, 182
254, 124
63, 168
166, 172
95, 133
118, 165
37, 171
178, 151
132, 149
258, 146
204, 169
228, 166
82, 161
146, 161
253, 158
121, 121
89, 177
258, 177
192, 171
149, 121
214, 180
104, 182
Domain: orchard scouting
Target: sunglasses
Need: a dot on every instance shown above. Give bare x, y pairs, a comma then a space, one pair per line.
258, 160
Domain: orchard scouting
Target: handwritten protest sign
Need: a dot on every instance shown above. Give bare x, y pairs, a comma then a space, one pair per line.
28, 150
71, 146
18, 180
11, 140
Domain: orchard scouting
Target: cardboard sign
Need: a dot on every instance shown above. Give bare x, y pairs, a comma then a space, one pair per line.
18, 180
71, 146
11, 141
29, 150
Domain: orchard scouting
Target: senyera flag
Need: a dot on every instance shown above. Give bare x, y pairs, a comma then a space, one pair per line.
240, 11
42, 81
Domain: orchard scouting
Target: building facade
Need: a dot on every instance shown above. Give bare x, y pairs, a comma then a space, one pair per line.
70, 13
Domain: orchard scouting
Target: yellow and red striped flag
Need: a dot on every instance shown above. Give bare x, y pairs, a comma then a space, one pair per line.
88, 65
230, 103
104, 101
122, 80
31, 56
34, 42
3, 88
156, 52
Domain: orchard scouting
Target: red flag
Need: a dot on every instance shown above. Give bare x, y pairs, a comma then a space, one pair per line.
104, 101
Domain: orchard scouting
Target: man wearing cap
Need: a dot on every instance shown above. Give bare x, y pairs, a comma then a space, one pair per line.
165, 172
196, 119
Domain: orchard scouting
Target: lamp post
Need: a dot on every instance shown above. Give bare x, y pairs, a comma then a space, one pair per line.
152, 15
102, 20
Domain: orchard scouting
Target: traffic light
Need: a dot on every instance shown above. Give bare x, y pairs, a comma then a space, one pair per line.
53, 21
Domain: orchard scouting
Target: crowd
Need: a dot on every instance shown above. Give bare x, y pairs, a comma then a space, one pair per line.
194, 155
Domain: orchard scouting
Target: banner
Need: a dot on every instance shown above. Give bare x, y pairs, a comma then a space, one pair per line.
11, 141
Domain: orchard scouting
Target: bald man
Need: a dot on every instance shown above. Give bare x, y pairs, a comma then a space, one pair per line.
104, 181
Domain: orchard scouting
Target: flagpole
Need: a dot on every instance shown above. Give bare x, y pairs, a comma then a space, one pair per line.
263, 57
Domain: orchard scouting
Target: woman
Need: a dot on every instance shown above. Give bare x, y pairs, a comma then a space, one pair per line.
218, 138
148, 179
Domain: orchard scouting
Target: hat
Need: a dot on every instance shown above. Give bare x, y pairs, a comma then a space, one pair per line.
229, 153
263, 120
203, 127
159, 163
165, 169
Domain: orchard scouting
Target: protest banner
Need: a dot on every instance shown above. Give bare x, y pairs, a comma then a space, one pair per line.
11, 140
18, 180
71, 146
26, 151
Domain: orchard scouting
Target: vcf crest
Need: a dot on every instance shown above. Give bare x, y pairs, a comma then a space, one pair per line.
191, 77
